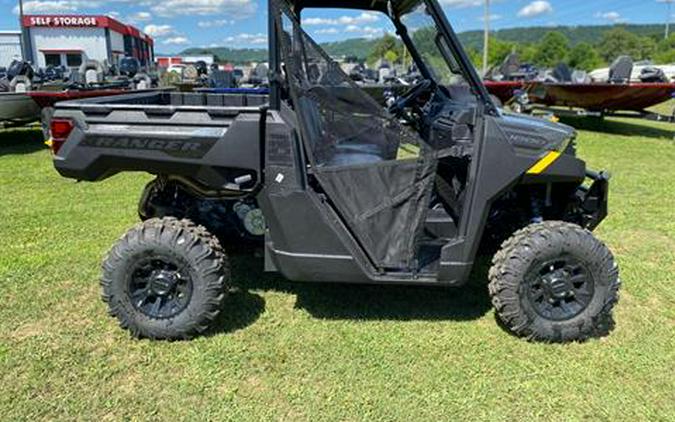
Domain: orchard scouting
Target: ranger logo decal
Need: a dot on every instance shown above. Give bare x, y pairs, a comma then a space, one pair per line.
192, 148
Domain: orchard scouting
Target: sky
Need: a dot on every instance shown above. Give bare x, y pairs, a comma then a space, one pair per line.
179, 24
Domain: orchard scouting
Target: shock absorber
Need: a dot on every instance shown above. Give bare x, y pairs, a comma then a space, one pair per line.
537, 215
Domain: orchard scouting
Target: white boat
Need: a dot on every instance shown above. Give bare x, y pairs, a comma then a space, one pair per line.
17, 108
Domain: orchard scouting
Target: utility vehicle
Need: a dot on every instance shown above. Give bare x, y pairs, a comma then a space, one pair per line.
338, 187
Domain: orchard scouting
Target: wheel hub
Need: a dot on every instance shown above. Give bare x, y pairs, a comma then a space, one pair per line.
160, 286
558, 285
561, 289
163, 282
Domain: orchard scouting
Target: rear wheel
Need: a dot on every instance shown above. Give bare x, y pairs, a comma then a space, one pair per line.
165, 279
555, 282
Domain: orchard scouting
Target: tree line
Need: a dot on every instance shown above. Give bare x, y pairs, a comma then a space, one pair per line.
554, 48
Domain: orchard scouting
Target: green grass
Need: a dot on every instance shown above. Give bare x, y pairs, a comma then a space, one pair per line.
310, 352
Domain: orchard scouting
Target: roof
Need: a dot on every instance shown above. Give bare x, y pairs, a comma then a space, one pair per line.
83, 21
399, 6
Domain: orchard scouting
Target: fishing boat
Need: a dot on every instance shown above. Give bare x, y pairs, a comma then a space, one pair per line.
17, 108
601, 97
563, 91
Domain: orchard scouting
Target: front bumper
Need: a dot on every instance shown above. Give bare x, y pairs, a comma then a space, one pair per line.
593, 199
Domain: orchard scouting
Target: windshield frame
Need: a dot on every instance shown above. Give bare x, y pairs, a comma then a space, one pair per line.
461, 58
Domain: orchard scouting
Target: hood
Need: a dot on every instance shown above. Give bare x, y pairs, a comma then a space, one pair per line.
534, 133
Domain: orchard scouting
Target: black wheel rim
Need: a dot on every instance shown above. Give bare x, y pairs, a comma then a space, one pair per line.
160, 286
560, 289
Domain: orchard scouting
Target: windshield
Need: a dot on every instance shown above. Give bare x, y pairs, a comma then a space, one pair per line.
432, 46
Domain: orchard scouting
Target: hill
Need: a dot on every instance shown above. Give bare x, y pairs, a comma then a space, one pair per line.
576, 34
361, 47
234, 55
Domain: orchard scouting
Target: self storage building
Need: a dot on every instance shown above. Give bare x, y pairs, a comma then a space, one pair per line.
65, 40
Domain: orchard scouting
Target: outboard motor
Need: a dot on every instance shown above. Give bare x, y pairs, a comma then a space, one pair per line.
129, 66
621, 70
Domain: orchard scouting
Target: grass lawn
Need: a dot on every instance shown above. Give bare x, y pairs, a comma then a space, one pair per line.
312, 352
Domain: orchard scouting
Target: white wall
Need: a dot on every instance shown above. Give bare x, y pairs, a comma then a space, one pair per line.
91, 41
10, 47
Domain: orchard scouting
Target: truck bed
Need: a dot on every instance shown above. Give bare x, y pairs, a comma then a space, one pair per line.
212, 139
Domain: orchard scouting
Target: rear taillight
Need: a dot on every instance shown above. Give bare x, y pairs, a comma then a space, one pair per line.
60, 130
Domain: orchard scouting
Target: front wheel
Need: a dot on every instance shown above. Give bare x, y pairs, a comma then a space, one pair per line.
555, 282
166, 279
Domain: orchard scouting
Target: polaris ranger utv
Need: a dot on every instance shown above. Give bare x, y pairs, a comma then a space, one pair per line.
338, 187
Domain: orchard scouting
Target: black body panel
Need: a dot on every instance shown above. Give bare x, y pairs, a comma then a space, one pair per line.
213, 145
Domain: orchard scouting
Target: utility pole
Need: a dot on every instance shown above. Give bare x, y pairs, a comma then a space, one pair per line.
669, 16
24, 50
486, 37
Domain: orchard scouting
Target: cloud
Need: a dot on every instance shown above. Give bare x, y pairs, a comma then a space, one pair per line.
491, 18
215, 23
176, 41
613, 17
365, 31
536, 8
461, 4
326, 31
58, 6
363, 18
235, 9
159, 30
251, 39
140, 17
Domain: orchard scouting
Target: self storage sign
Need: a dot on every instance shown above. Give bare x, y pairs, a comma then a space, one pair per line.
63, 21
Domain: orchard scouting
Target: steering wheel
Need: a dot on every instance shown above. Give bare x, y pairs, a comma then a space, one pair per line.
408, 99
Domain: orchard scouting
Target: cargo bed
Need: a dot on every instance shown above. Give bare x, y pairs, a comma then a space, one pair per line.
200, 136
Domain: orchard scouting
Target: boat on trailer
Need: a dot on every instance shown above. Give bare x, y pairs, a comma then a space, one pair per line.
17, 108
632, 99
575, 93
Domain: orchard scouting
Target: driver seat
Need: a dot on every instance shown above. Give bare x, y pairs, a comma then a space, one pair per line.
334, 154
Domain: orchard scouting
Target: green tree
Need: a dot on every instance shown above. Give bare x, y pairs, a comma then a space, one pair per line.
584, 56
552, 50
499, 50
391, 56
388, 43
666, 51
619, 42
527, 52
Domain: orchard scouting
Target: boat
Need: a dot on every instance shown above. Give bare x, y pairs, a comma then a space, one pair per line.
601, 97
504, 91
17, 108
564, 91
47, 98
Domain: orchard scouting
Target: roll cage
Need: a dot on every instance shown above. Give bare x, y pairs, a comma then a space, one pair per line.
394, 9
